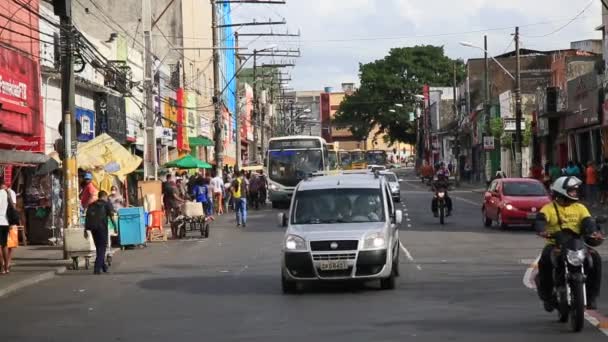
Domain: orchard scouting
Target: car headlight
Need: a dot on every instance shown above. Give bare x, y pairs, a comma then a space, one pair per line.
509, 207
273, 187
576, 258
374, 241
441, 194
295, 243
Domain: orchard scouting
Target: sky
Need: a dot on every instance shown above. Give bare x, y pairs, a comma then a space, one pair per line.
337, 35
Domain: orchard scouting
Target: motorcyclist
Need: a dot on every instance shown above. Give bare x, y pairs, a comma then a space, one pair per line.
441, 183
566, 212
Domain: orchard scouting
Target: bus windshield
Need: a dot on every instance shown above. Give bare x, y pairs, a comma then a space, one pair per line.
289, 167
357, 156
344, 159
333, 160
376, 157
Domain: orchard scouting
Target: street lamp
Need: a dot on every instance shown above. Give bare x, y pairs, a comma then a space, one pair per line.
392, 110
517, 90
471, 45
400, 105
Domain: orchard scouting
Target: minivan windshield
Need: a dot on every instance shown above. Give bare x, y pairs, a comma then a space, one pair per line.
337, 206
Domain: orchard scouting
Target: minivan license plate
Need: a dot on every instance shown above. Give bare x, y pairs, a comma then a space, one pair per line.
333, 265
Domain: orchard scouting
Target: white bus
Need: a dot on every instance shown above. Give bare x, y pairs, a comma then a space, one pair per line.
291, 159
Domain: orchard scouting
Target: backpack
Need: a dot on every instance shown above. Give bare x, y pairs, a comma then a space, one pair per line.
96, 216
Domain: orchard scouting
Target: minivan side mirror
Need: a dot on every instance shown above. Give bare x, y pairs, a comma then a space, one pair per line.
398, 216
282, 220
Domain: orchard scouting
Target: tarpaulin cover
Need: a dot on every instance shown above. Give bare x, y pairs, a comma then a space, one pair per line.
105, 156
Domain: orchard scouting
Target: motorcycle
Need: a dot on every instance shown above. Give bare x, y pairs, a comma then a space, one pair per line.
569, 276
441, 205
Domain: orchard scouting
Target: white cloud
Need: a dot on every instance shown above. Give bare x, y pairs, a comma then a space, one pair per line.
437, 22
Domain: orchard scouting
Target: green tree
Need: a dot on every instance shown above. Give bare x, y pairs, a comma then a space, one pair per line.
396, 78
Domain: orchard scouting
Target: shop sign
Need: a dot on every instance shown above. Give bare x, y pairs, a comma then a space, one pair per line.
164, 134
111, 116
543, 127
86, 118
204, 126
509, 125
583, 101
488, 143
132, 131
506, 105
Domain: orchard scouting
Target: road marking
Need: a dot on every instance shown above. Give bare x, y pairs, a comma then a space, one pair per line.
409, 256
466, 201
594, 318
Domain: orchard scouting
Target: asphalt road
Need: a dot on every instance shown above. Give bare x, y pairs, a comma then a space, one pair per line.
463, 282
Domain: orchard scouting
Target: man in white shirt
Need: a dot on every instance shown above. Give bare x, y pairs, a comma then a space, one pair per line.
217, 187
5, 226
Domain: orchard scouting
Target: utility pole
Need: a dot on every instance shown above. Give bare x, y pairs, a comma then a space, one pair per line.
487, 108
150, 152
254, 119
63, 8
518, 114
219, 124
237, 127
457, 143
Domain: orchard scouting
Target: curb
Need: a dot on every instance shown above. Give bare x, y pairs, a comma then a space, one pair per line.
44, 276
32, 281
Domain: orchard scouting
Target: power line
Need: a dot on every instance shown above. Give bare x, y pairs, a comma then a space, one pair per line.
567, 24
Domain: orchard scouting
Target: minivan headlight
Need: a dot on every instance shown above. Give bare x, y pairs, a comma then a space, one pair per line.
295, 243
374, 241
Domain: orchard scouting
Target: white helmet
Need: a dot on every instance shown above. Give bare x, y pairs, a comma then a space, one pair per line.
567, 187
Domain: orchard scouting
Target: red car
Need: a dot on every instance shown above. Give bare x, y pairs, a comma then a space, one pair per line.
508, 201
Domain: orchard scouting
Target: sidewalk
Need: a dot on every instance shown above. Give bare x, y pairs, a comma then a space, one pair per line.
31, 265
473, 187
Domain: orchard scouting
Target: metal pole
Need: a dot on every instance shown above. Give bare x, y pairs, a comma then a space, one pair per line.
70, 169
237, 127
518, 114
219, 122
487, 108
255, 107
151, 162
457, 140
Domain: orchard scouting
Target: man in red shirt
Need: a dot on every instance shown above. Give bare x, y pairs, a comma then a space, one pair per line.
591, 181
89, 191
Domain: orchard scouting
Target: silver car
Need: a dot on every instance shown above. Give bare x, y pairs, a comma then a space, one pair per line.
341, 227
393, 183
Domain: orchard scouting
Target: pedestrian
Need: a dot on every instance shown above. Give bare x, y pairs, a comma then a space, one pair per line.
116, 198
467, 172
201, 195
536, 172
603, 178
96, 222
171, 200
554, 172
89, 192
573, 170
8, 198
239, 195
181, 188
591, 184
217, 187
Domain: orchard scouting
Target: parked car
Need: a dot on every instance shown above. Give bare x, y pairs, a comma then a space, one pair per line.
341, 227
393, 183
508, 201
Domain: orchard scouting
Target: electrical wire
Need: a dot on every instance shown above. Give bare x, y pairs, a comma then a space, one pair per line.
567, 24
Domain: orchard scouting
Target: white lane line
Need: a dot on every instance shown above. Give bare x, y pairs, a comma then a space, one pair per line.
466, 201
409, 256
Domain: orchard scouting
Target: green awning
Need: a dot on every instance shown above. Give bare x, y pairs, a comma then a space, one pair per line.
188, 162
200, 141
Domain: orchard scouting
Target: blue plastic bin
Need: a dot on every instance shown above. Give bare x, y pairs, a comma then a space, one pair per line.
132, 225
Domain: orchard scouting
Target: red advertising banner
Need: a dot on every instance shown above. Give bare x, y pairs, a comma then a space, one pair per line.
325, 117
182, 142
20, 96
